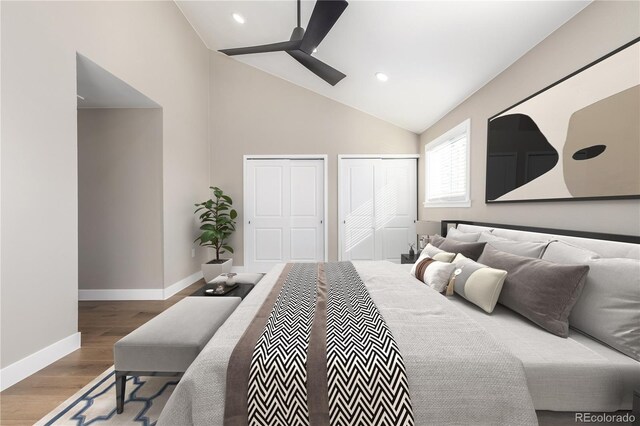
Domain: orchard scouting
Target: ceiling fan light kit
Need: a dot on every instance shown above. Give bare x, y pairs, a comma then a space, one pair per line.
303, 43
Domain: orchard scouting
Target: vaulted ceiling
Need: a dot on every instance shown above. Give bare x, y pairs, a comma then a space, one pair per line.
435, 53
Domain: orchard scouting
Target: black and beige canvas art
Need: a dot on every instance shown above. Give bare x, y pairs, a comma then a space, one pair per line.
577, 139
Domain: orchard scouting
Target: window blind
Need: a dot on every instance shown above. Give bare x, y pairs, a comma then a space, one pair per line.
446, 167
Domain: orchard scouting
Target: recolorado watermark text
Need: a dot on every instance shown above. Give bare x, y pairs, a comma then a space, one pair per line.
604, 418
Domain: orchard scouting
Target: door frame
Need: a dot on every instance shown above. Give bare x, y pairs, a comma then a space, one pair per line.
325, 220
367, 157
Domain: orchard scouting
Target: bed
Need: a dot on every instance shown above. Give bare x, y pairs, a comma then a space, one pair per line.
463, 366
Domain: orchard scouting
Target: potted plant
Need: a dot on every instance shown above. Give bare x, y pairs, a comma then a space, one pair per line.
218, 222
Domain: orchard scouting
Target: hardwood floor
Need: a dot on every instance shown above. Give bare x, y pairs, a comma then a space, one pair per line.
101, 324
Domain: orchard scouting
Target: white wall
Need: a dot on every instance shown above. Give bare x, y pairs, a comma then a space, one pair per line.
151, 46
600, 28
256, 113
120, 198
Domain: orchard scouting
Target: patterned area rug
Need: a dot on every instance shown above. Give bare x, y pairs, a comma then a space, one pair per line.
96, 402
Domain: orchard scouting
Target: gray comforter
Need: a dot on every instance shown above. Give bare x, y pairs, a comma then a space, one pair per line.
457, 373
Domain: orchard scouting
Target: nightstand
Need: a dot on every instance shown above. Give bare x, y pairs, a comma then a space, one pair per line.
407, 258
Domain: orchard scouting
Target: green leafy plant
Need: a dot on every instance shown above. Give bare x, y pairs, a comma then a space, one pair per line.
218, 222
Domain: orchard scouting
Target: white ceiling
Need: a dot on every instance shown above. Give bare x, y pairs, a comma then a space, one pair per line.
436, 53
98, 88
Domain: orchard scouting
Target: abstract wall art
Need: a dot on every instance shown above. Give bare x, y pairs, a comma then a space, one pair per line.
578, 139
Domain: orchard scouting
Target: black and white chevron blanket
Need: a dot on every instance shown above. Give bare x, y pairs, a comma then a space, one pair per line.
318, 353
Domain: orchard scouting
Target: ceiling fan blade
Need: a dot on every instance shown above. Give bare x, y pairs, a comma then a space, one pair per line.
324, 15
316, 66
273, 47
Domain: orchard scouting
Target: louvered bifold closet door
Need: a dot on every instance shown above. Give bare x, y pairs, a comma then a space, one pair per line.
377, 208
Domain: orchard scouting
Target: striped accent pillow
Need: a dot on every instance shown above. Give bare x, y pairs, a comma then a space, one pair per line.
434, 273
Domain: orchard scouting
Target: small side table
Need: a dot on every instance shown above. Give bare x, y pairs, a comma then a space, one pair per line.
407, 258
241, 291
246, 281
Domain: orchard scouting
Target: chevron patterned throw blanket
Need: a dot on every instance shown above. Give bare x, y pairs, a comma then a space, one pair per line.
457, 373
318, 352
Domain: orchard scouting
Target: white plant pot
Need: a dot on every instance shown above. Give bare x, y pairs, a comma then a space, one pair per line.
212, 270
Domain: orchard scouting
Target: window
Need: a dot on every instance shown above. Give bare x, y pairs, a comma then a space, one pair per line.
447, 169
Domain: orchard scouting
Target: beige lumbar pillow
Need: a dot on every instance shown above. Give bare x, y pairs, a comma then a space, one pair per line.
478, 283
434, 253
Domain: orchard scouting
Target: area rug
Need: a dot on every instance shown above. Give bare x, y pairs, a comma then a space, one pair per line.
96, 402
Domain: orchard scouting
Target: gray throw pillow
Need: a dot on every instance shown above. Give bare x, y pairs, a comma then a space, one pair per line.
470, 250
436, 240
468, 237
520, 248
609, 307
542, 291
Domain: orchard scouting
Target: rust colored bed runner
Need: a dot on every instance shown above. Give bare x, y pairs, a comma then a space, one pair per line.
318, 352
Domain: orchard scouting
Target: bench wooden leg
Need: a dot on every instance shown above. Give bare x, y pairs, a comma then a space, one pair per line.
121, 383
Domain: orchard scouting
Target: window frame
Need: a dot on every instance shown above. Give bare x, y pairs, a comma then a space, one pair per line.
461, 129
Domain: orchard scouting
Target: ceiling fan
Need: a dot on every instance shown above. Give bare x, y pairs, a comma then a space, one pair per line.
302, 43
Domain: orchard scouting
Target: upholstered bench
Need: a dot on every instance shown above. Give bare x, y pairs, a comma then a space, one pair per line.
168, 343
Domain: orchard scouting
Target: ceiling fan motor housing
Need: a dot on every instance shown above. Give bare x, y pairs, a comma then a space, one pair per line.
297, 34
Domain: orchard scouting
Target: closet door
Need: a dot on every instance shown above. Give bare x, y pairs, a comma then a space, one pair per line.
306, 210
396, 207
357, 211
377, 208
283, 212
266, 215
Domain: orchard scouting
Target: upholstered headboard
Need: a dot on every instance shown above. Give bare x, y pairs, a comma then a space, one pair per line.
606, 245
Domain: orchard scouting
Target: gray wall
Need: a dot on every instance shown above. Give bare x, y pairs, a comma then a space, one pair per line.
120, 198
152, 47
255, 113
600, 28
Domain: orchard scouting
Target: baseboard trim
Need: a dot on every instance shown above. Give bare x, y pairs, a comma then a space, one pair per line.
19, 370
139, 293
181, 285
121, 294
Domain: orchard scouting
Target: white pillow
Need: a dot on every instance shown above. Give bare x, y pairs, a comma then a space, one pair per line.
467, 237
607, 309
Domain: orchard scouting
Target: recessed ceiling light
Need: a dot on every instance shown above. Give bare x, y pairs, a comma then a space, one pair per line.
238, 18
382, 76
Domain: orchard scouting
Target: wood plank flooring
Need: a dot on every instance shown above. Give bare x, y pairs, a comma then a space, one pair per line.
101, 324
